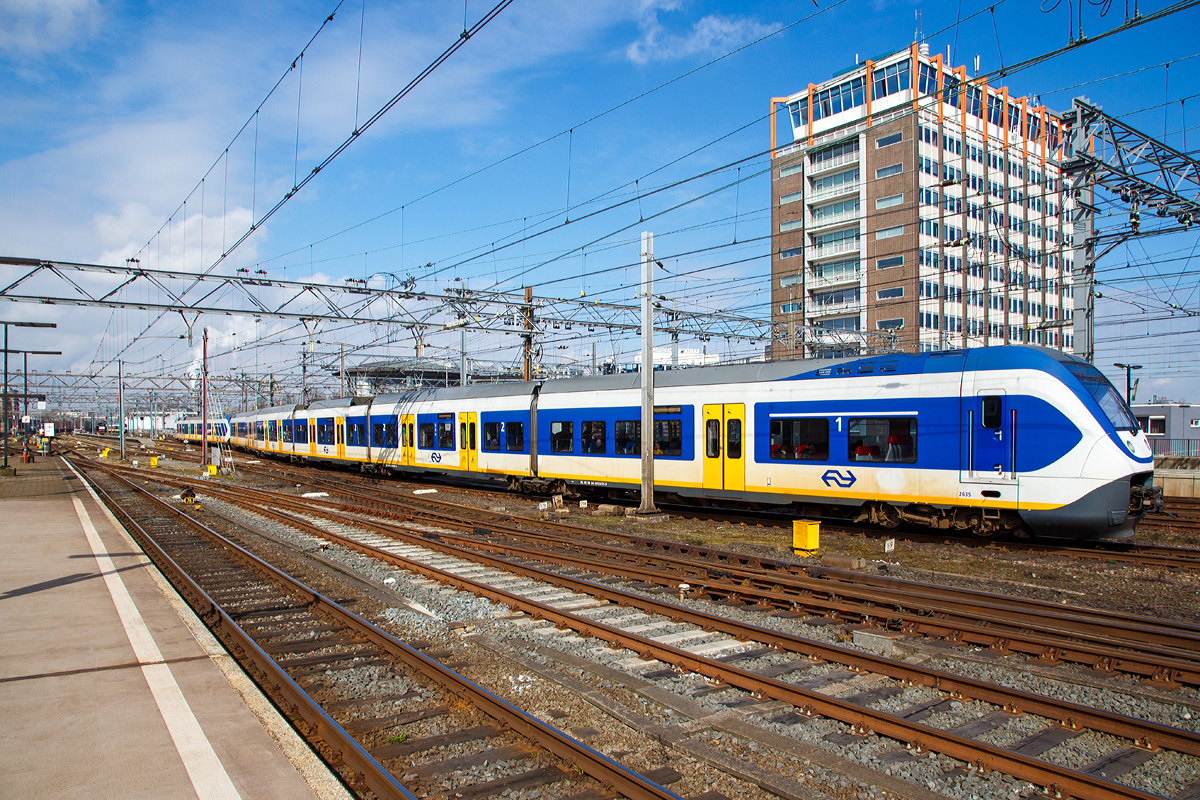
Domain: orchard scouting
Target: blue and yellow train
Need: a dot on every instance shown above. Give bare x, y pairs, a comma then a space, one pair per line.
1021, 439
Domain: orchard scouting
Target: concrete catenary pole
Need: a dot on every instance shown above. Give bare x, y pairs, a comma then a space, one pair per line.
121, 406
204, 402
647, 375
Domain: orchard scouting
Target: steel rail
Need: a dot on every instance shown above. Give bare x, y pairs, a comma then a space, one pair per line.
279, 684
920, 738
1161, 664
595, 764
1148, 735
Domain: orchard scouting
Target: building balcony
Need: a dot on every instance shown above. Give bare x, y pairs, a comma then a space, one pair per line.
833, 191
834, 309
833, 220
818, 167
834, 249
841, 278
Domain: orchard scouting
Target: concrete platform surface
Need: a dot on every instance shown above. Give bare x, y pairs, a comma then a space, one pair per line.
109, 685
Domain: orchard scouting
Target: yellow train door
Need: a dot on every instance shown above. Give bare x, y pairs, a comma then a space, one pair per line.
724, 447
466, 441
407, 442
312, 437
340, 425
470, 439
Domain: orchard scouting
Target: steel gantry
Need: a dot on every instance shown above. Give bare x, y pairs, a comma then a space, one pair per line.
1136, 170
395, 304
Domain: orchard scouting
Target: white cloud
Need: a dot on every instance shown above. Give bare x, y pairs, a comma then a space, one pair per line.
43, 26
712, 34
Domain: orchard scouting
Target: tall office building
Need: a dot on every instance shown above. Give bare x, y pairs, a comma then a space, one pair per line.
917, 202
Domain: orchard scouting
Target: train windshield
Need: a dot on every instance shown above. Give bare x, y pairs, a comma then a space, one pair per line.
1110, 401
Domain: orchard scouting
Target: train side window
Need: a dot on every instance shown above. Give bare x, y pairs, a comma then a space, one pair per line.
668, 437
428, 435
733, 438
799, 439
445, 432
287, 431
514, 433
593, 437
712, 438
491, 436
892, 439
390, 432
562, 437
628, 435
377, 439
991, 411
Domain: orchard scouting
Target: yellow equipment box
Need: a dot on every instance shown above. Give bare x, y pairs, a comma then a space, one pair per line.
806, 536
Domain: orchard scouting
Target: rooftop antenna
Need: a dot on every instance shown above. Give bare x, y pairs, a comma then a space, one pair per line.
919, 34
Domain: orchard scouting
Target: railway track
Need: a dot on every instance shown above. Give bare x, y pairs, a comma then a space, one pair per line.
513, 580
1165, 652
300, 645
1183, 517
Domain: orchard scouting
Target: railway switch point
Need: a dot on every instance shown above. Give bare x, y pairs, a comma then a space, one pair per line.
840, 561
806, 536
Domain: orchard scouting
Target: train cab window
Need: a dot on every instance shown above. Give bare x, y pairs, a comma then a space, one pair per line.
891, 439
593, 437
628, 436
991, 411
491, 436
668, 437
800, 439
733, 438
562, 437
445, 435
712, 438
514, 436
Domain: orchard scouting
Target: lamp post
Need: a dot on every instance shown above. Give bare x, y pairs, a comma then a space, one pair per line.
1129, 368
5, 404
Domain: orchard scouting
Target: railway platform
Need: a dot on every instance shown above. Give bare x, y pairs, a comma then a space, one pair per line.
109, 685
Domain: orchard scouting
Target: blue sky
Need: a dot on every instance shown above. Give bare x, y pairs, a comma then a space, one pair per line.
115, 112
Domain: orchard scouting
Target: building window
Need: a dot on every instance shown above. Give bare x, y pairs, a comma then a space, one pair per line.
791, 225
890, 80
791, 252
890, 202
888, 233
789, 308
889, 262
839, 209
793, 197
842, 269
789, 280
890, 294
1156, 426
848, 295
890, 139
890, 324
831, 182
794, 169
889, 171
839, 150
842, 323
842, 237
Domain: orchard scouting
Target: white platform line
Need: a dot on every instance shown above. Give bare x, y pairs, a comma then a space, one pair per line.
207, 773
